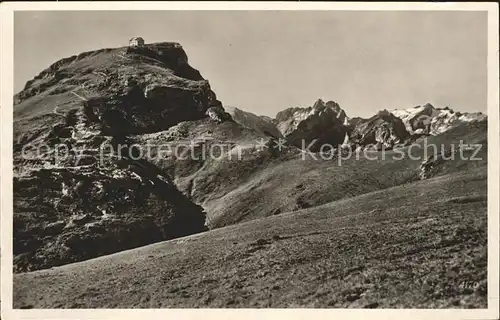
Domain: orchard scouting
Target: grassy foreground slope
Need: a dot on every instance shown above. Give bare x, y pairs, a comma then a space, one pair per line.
413, 245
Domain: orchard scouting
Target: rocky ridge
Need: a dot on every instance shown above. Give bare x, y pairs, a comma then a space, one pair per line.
327, 123
383, 130
427, 119
75, 197
249, 120
324, 122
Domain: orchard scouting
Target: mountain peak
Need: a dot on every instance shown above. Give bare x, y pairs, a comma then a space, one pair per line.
321, 104
383, 129
326, 122
105, 98
428, 119
318, 103
133, 89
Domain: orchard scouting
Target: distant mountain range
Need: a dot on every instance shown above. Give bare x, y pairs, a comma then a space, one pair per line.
328, 123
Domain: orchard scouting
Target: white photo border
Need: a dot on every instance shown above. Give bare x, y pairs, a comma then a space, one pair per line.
7, 10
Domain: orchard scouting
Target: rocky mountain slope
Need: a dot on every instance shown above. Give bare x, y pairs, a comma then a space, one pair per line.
249, 120
324, 122
420, 245
295, 180
151, 155
74, 196
383, 130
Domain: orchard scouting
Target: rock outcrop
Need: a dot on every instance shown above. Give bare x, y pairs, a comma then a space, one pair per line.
383, 130
218, 114
80, 188
70, 214
324, 122
463, 148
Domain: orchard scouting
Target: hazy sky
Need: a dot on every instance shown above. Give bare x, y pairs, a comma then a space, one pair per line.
266, 61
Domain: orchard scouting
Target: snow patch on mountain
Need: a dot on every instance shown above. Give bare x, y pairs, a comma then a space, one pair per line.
427, 119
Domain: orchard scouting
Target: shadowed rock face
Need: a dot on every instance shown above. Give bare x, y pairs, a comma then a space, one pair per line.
73, 214
87, 200
382, 130
324, 122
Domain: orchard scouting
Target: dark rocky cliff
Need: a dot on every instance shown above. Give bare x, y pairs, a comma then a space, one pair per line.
88, 200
